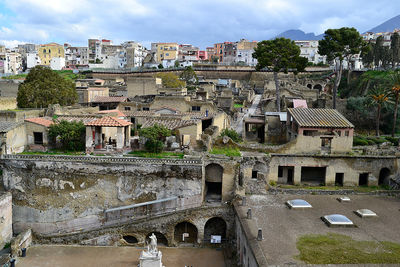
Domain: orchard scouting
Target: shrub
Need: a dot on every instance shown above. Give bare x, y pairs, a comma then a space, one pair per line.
155, 137
393, 140
359, 141
71, 134
232, 134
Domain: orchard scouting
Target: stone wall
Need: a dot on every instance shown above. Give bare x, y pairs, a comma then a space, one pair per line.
6, 231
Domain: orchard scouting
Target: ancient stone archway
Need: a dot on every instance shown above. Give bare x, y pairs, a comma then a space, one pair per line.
384, 176
213, 182
215, 226
318, 87
161, 239
130, 239
185, 232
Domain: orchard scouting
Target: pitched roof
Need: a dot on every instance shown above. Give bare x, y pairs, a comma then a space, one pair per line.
140, 113
117, 111
77, 118
6, 126
171, 124
319, 117
109, 99
44, 121
109, 122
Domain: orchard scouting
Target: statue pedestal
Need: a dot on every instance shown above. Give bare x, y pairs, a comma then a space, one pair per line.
148, 259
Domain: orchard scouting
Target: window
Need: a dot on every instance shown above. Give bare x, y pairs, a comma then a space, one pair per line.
254, 174
38, 138
127, 108
346, 133
145, 109
195, 108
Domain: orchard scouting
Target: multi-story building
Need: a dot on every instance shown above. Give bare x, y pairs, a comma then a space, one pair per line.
76, 55
11, 62
210, 53
230, 52
309, 50
219, 51
95, 47
135, 54
202, 55
188, 52
32, 60
245, 51
167, 54
47, 52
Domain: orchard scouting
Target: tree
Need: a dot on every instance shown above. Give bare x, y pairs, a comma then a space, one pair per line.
280, 54
43, 87
170, 80
396, 94
190, 77
367, 55
160, 66
71, 134
155, 137
379, 97
395, 48
340, 45
176, 64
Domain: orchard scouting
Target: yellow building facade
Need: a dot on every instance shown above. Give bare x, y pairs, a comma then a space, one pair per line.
48, 51
167, 51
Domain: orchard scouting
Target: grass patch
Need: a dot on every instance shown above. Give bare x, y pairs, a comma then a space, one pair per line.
227, 151
341, 249
53, 152
237, 105
164, 154
15, 77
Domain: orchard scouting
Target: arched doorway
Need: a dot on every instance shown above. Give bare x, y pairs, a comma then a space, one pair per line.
185, 233
213, 184
130, 239
161, 239
384, 176
215, 226
318, 87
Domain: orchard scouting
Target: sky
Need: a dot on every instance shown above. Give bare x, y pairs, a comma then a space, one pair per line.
198, 22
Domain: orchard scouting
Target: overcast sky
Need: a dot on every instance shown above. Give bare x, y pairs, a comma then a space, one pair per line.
200, 23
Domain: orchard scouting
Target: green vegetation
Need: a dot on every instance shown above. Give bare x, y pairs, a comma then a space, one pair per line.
227, 151
232, 134
238, 105
70, 134
341, 249
7, 245
155, 137
190, 77
360, 140
70, 75
43, 87
170, 80
144, 154
340, 45
280, 54
15, 77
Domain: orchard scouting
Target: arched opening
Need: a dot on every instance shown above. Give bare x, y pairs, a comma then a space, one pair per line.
213, 185
161, 239
185, 233
258, 168
384, 176
318, 87
309, 86
130, 239
216, 228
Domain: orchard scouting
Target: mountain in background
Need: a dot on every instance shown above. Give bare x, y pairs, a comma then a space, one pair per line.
299, 35
388, 26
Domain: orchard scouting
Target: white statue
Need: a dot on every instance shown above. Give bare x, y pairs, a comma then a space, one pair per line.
152, 248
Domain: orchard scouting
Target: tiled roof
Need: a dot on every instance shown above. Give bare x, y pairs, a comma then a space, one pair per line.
140, 113
6, 126
319, 117
171, 124
44, 121
109, 99
109, 122
82, 118
119, 113
97, 89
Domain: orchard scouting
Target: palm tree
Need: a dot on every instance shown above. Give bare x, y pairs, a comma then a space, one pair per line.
379, 97
396, 94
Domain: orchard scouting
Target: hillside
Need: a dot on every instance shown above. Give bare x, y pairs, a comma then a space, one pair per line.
299, 35
387, 26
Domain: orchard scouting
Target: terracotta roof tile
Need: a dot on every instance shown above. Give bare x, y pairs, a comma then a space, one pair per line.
117, 111
109, 122
171, 124
44, 121
319, 117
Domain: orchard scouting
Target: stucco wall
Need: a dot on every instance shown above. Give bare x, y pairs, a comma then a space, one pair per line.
16, 140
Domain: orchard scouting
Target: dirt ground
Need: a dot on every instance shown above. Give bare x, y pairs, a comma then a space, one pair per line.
84, 256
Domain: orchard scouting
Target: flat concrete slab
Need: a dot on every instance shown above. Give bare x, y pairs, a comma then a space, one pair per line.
85, 256
282, 226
